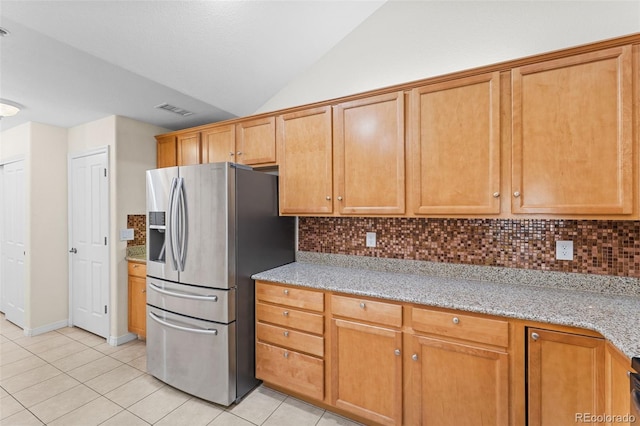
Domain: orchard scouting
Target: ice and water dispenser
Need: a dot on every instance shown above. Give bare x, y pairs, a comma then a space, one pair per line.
157, 228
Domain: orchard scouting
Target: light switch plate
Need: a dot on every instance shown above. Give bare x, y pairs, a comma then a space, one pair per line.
371, 239
564, 250
126, 234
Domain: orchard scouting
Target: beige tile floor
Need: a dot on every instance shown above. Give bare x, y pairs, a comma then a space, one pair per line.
72, 377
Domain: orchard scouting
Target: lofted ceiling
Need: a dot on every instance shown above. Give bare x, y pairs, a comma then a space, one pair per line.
70, 62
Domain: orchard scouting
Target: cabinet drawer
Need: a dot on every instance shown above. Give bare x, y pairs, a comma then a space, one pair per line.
290, 296
483, 330
367, 310
291, 339
304, 321
299, 373
137, 269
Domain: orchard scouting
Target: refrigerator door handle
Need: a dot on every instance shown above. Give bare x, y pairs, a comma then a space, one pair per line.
183, 217
157, 319
212, 298
171, 228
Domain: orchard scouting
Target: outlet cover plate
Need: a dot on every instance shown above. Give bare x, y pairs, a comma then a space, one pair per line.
564, 250
371, 239
126, 234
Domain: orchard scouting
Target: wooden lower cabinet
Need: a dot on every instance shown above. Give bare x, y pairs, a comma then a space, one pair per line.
565, 376
389, 363
367, 371
137, 298
290, 339
458, 384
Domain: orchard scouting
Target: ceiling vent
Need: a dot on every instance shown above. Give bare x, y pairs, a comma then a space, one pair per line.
174, 109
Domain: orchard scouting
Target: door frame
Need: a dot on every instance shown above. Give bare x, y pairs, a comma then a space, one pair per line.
4, 162
72, 156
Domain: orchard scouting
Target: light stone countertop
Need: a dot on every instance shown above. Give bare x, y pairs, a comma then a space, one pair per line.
615, 316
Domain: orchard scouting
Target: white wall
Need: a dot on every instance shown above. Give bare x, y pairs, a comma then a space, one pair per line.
47, 233
405, 41
44, 148
135, 154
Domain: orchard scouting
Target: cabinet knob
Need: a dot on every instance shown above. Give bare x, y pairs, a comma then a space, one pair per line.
285, 313
456, 320
144, 290
286, 292
363, 305
285, 334
339, 198
239, 153
328, 198
231, 154
535, 336
286, 354
516, 194
414, 357
397, 352
496, 194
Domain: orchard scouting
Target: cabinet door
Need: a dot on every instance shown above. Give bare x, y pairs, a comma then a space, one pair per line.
367, 371
256, 142
137, 305
455, 146
458, 384
167, 153
572, 135
218, 144
189, 149
369, 156
305, 161
617, 384
565, 377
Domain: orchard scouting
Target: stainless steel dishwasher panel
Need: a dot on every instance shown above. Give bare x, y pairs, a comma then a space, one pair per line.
199, 302
195, 356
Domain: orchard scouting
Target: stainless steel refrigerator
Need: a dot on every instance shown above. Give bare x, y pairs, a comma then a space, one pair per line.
209, 228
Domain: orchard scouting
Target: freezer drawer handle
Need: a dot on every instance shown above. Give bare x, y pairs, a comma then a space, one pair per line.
177, 327
185, 296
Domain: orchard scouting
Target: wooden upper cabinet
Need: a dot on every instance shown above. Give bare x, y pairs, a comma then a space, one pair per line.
304, 146
189, 150
256, 142
572, 135
369, 155
455, 146
167, 153
218, 144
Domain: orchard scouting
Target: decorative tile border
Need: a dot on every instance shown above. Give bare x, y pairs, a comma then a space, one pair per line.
139, 224
600, 247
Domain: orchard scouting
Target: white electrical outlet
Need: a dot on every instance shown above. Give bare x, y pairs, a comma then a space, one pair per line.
126, 234
371, 239
564, 250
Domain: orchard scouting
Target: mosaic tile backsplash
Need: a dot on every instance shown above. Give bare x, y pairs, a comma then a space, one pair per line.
600, 247
139, 224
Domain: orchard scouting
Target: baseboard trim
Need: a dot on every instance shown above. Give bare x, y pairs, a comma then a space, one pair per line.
46, 328
119, 340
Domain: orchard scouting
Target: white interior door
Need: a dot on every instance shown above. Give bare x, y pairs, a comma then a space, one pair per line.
13, 236
89, 251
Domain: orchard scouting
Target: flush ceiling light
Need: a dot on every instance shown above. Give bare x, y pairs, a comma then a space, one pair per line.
8, 109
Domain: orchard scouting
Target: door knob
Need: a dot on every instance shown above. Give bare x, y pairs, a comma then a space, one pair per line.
73, 250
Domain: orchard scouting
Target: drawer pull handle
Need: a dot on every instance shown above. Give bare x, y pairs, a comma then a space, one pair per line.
286, 334
397, 352
286, 354
535, 336
363, 305
286, 292
414, 357
456, 320
285, 313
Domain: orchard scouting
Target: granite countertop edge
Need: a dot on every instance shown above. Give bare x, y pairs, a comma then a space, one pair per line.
615, 316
